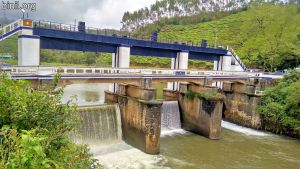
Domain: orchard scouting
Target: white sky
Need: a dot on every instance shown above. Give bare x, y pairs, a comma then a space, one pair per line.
96, 13
111, 11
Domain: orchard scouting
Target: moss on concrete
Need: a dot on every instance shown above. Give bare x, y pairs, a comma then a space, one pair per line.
206, 96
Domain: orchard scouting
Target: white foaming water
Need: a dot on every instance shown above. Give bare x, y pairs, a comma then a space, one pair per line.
124, 156
170, 119
172, 132
241, 129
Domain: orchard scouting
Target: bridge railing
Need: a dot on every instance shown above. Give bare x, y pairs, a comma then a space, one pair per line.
10, 27
56, 26
237, 59
118, 71
112, 32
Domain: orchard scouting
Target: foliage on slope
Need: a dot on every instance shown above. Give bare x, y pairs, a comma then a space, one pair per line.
266, 36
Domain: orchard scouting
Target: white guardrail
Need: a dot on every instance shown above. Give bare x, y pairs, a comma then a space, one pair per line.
10, 27
85, 71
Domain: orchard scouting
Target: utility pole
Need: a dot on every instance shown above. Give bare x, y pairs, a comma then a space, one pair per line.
216, 31
298, 5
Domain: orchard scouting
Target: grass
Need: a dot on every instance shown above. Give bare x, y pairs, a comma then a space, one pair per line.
159, 87
206, 96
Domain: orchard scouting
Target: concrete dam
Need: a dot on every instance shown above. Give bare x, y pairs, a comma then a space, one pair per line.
132, 113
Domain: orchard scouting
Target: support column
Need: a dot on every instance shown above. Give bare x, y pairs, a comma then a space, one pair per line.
180, 62
28, 46
123, 56
201, 115
226, 63
218, 67
140, 115
120, 59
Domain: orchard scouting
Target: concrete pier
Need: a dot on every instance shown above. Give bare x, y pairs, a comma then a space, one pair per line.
140, 116
120, 59
180, 62
28, 46
200, 114
241, 102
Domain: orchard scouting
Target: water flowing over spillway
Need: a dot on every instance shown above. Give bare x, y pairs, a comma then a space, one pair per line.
101, 125
170, 118
241, 129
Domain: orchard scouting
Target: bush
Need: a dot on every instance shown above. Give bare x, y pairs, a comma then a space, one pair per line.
281, 105
34, 127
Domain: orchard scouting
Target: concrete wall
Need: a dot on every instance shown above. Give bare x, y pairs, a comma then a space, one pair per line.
140, 116
170, 95
202, 116
241, 102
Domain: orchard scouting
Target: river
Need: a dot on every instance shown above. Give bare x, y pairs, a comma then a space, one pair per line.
239, 147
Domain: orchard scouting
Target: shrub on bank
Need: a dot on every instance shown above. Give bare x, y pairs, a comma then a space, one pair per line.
280, 106
34, 127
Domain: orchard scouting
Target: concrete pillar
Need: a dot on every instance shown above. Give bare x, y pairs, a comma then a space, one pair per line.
140, 116
120, 59
28, 50
218, 64
226, 63
123, 56
201, 115
218, 67
28, 46
180, 62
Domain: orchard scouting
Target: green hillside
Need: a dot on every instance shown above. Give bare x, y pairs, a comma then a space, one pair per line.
9, 45
266, 36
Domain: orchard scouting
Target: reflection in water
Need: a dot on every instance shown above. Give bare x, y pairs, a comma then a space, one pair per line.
91, 96
86, 94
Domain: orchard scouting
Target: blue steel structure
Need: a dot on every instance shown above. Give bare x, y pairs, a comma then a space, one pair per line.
56, 36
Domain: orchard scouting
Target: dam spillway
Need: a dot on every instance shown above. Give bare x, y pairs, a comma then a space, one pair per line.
100, 125
170, 117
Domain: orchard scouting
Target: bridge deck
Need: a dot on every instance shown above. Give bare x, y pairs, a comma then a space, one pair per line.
123, 73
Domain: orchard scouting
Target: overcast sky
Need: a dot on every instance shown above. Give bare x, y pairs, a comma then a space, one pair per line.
96, 13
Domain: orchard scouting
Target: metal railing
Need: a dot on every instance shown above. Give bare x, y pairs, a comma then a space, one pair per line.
96, 31
90, 71
238, 59
8, 28
111, 32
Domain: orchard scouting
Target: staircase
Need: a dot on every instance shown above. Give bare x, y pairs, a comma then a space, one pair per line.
9, 30
238, 61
